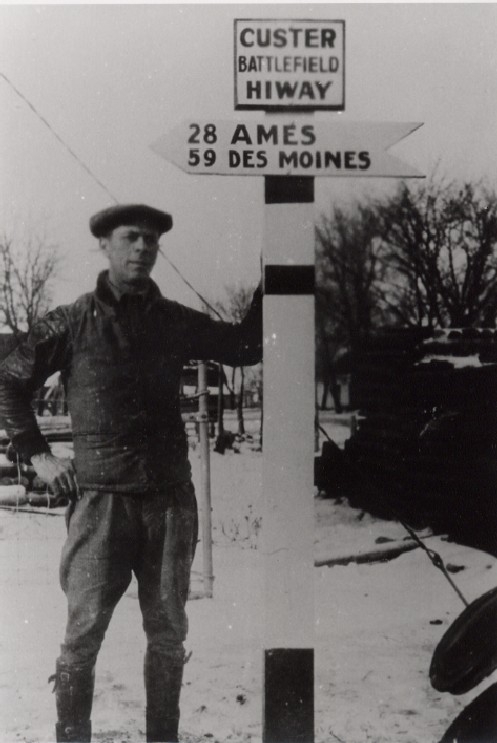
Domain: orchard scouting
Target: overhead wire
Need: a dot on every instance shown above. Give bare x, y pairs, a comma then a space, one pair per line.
185, 280
102, 185
57, 136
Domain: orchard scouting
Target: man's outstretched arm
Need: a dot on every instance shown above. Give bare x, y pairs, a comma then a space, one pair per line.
234, 344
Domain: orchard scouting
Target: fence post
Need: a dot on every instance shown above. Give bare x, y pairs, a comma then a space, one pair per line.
205, 481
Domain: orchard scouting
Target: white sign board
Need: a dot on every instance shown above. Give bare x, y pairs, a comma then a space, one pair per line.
287, 147
289, 65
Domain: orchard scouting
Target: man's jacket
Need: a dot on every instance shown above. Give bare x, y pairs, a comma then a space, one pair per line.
121, 365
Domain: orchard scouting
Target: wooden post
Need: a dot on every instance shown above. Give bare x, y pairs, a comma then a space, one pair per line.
220, 401
205, 482
288, 460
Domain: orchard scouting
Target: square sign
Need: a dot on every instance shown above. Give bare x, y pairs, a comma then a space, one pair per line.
283, 65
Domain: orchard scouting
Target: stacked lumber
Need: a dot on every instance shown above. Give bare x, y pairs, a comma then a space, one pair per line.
426, 438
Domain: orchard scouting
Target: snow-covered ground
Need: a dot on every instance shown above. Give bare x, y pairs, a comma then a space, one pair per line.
376, 627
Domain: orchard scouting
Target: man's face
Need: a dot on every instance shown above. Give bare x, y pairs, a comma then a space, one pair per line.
132, 252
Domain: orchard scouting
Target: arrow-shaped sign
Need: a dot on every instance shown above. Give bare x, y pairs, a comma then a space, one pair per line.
287, 146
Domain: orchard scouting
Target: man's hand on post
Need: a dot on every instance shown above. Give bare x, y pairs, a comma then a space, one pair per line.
58, 473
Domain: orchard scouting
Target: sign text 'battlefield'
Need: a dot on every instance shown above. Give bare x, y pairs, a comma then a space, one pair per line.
289, 65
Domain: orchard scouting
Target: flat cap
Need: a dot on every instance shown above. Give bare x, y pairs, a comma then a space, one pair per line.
106, 220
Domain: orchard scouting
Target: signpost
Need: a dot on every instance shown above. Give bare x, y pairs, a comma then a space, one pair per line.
288, 460
288, 66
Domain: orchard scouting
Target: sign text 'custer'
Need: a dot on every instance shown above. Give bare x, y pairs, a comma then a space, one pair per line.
289, 64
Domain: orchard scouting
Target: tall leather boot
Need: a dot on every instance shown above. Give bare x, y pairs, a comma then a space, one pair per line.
73, 689
163, 672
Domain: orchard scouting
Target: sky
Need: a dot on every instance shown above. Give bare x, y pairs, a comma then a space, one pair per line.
111, 79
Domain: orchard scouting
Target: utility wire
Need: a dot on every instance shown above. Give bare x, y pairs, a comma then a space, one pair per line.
202, 299
434, 557
99, 182
57, 136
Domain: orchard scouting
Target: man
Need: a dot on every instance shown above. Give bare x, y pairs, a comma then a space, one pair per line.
121, 350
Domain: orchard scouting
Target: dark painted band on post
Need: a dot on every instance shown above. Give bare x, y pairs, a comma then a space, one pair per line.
282, 189
288, 696
289, 279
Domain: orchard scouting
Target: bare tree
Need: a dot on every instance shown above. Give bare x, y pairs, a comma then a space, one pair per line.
440, 247
26, 271
350, 271
425, 256
350, 285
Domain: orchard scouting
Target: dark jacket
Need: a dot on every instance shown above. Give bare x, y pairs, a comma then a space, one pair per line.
121, 366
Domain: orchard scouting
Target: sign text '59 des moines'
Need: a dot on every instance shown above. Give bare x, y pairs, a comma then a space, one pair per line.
280, 145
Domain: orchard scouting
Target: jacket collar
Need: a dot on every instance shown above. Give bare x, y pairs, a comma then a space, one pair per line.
108, 299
